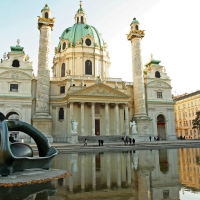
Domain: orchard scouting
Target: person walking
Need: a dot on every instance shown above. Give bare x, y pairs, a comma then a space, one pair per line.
125, 140
133, 141
122, 140
130, 141
150, 138
85, 142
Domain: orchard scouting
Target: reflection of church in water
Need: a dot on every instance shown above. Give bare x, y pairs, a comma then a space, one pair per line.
139, 175
81, 88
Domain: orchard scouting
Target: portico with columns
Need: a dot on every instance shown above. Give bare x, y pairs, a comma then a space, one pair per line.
100, 111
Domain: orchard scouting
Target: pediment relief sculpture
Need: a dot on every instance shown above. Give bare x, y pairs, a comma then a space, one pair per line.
15, 75
100, 90
158, 84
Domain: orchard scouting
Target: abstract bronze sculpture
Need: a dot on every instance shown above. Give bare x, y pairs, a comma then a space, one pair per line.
15, 157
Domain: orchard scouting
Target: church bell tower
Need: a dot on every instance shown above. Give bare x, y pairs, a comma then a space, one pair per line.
42, 119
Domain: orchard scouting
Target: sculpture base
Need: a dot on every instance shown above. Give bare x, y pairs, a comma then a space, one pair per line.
32, 176
73, 139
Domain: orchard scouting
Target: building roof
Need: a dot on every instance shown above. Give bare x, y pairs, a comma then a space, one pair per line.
46, 7
134, 21
76, 33
185, 95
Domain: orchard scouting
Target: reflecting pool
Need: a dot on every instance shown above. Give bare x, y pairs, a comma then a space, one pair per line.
131, 175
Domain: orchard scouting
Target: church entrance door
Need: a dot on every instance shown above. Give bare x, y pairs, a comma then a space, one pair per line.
97, 126
161, 131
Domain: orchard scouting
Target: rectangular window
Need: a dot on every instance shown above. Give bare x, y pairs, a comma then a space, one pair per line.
159, 94
14, 87
62, 89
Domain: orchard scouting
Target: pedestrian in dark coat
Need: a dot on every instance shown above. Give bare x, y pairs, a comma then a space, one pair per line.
133, 141
129, 140
102, 142
150, 138
85, 142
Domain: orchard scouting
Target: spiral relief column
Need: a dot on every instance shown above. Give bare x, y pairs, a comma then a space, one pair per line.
42, 119
140, 114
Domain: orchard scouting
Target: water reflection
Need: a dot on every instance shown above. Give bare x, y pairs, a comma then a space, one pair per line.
146, 175
189, 167
134, 175
41, 191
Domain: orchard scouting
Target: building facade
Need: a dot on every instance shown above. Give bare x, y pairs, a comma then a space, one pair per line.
81, 88
185, 109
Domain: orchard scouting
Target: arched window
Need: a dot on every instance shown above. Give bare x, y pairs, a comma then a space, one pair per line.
46, 15
15, 63
77, 20
64, 45
63, 70
136, 27
88, 67
81, 19
160, 118
61, 114
157, 74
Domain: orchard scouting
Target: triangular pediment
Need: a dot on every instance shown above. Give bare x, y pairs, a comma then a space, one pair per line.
100, 90
159, 84
15, 75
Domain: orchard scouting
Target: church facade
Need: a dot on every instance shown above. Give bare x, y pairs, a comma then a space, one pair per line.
82, 90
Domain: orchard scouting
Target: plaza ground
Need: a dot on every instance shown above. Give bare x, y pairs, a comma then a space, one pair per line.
119, 146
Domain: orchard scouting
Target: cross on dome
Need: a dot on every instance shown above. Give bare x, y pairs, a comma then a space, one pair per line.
81, 4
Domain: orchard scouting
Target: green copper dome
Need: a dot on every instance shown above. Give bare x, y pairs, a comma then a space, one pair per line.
134, 21
76, 33
45, 8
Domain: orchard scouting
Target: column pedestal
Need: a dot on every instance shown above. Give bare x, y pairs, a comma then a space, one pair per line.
143, 128
44, 125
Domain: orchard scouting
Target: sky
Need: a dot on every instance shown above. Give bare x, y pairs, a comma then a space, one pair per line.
172, 33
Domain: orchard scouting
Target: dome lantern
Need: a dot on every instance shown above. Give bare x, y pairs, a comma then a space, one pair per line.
46, 12
80, 17
135, 24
